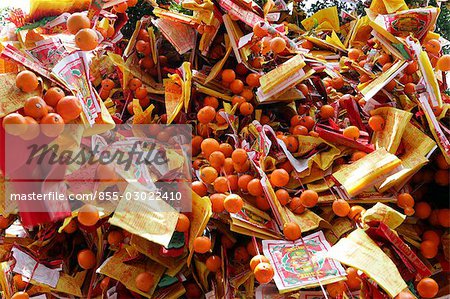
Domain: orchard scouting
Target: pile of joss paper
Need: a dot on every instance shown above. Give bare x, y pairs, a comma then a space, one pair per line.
318, 149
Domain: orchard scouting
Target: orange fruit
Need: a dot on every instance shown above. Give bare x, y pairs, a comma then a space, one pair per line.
353, 279
354, 54
423, 210
183, 223
376, 123
15, 124
306, 44
228, 75
214, 263
441, 162
277, 45
428, 249
441, 177
239, 156
355, 212
262, 203
409, 211
283, 196
140, 93
228, 166
251, 249
221, 184
69, 108
216, 159
211, 101
147, 63
405, 295
86, 259
443, 216
300, 130
254, 187
351, 132
208, 146
246, 109
144, 281
143, 47
337, 82
35, 107
110, 31
433, 46
217, 200
279, 178
226, 149
263, 272
260, 30
308, 122
341, 208
71, 227
237, 86
309, 198
88, 215
336, 289
326, 111
357, 155
86, 39
233, 203
443, 63
292, 231
104, 284
243, 182
18, 281
384, 58
233, 182
20, 295
427, 288
405, 200
115, 237
391, 85
132, 3
77, 21
134, 84
33, 129
291, 144
411, 68
295, 120
296, 206
256, 260
208, 174
252, 80
409, 88
206, 114
53, 95
237, 100
432, 236
202, 244
121, 7
56, 122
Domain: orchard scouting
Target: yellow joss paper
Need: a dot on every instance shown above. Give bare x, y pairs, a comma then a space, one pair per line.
12, 98
154, 220
383, 213
279, 74
219, 65
326, 19
358, 250
201, 212
387, 6
367, 171
396, 121
173, 97
334, 39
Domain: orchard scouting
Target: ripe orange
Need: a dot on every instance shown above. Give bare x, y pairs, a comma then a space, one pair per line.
140, 93
409, 211
202, 244
121, 7
292, 231
86, 259
33, 129
427, 288
262, 203
256, 260
405, 200
259, 30
239, 156
237, 86
217, 200
357, 155
252, 80
291, 144
233, 203
341, 208
353, 279
35, 107
423, 210
71, 227
296, 206
221, 184
300, 130
233, 182
263, 272
441, 177
228, 166
15, 124
206, 114
214, 263
104, 284
216, 159
283, 196
88, 215
77, 21
134, 84
428, 249
20, 295
132, 3
208, 146
306, 44
336, 289
20, 284
432, 236
384, 58
211, 101
53, 95
411, 68
355, 212
441, 162
144, 281
56, 122
183, 223
337, 82
443, 216
433, 46
246, 109
376, 123
86, 39
243, 182
326, 111
308, 122
405, 295
208, 174
409, 88
146, 63
254, 187
354, 54
309, 198
443, 63
351, 132
277, 45
228, 75
226, 149
115, 237
69, 108
279, 178
143, 47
